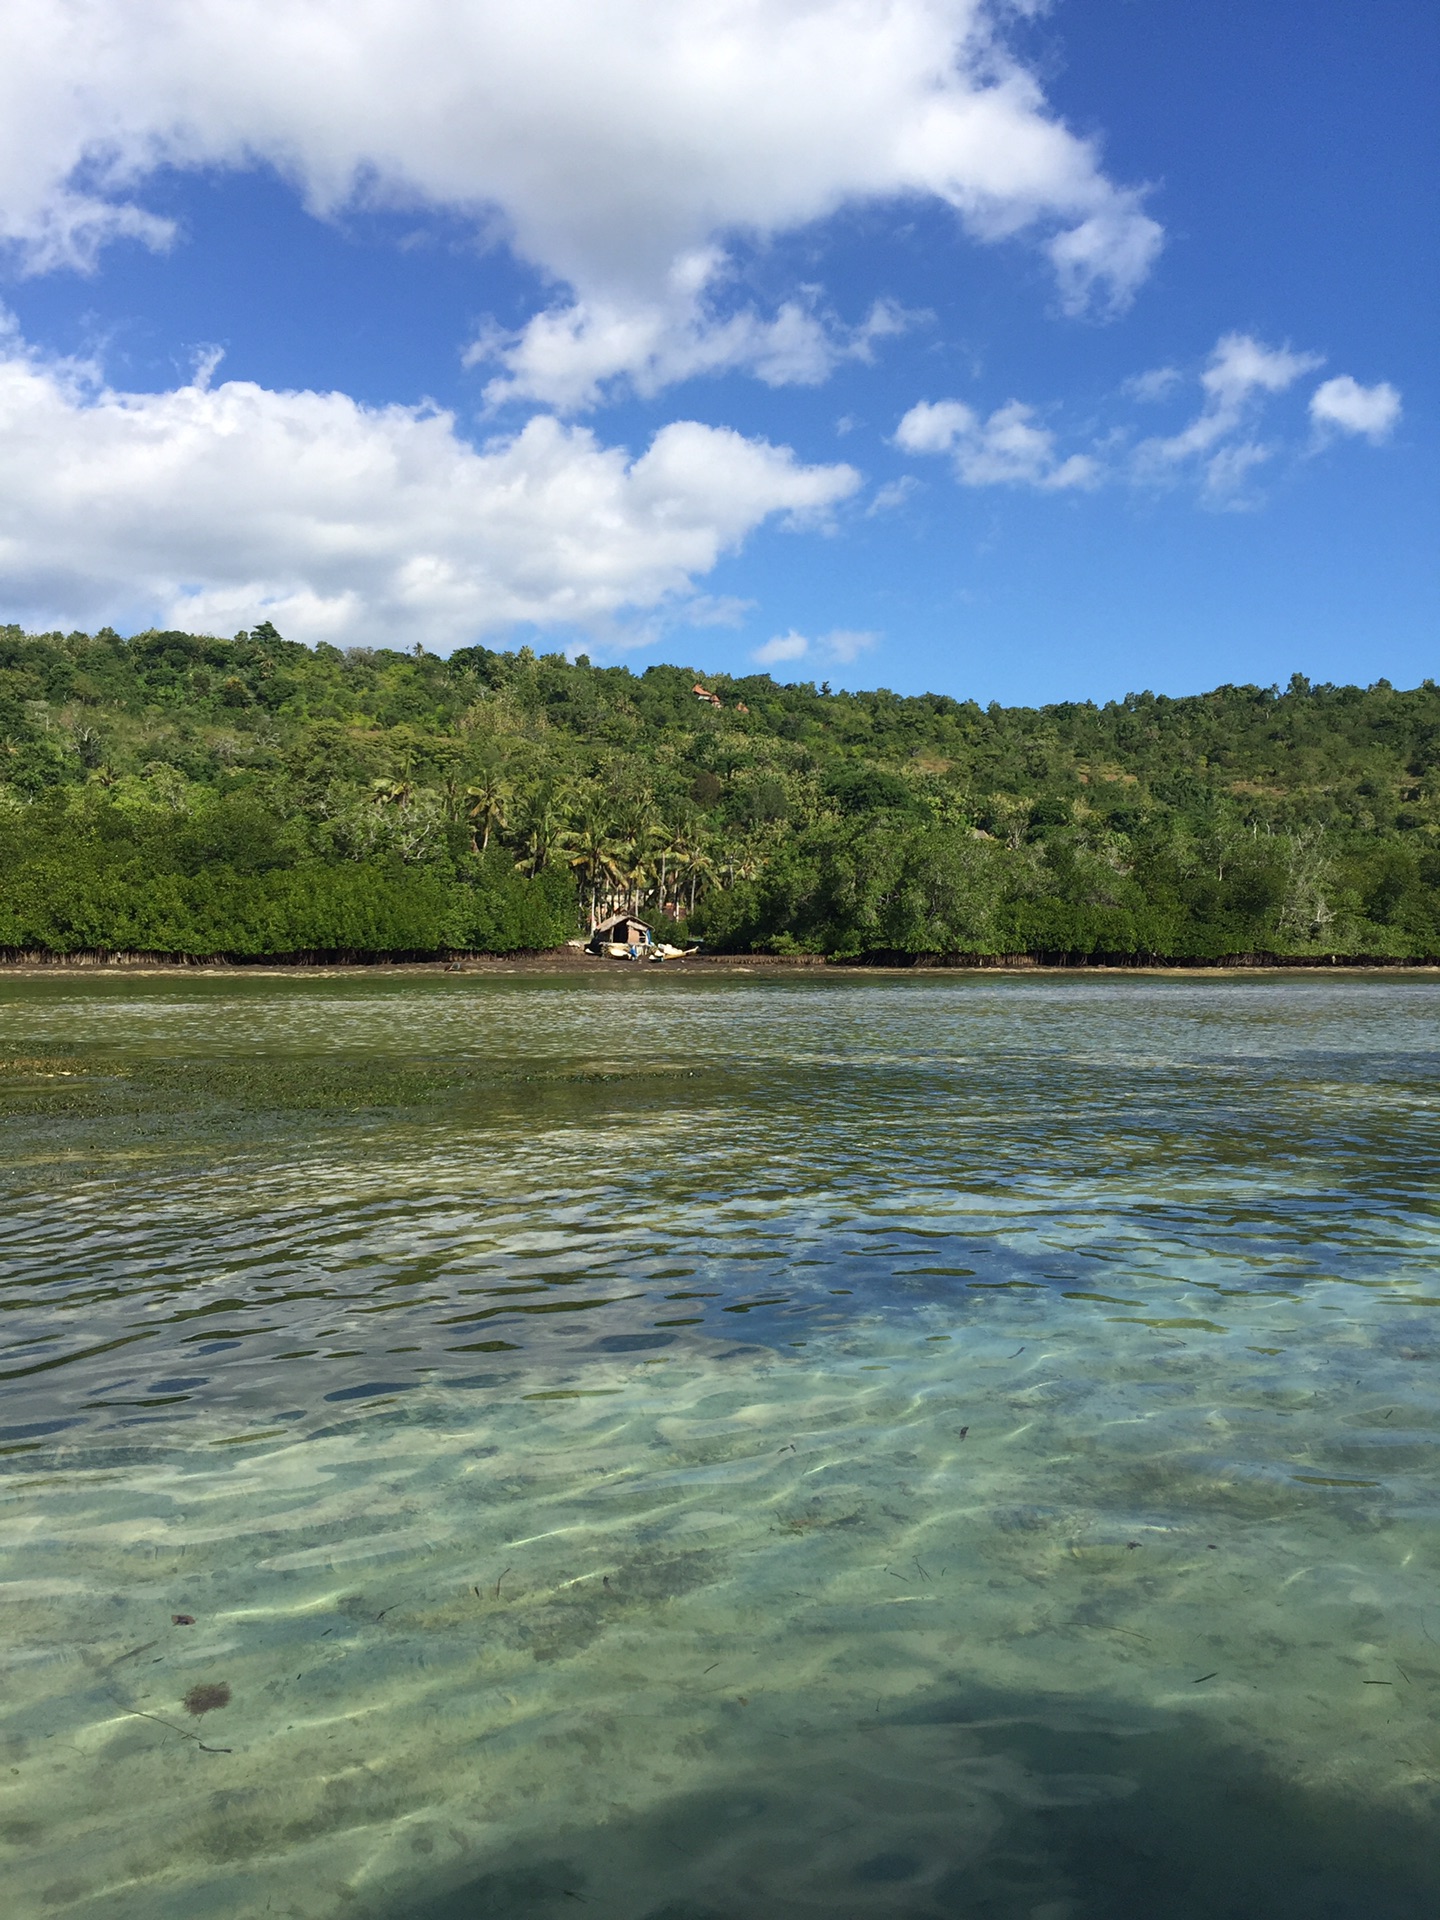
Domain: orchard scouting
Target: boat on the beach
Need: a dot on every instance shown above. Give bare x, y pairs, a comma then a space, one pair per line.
623, 937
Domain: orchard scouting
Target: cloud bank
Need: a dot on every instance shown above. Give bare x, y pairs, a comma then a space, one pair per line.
211, 507
620, 147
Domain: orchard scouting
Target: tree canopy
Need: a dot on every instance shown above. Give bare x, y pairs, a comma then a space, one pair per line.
179, 793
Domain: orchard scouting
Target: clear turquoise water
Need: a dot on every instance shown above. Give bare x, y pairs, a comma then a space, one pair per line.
713, 1447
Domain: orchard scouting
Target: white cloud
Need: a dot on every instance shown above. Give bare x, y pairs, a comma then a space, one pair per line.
785, 646
716, 610
1344, 404
1218, 447
838, 647
1240, 366
567, 356
843, 644
1227, 470
618, 147
933, 426
213, 506
1241, 372
1007, 449
1241, 375
1157, 384
893, 494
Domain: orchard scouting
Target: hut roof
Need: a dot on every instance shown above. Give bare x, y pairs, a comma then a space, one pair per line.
617, 927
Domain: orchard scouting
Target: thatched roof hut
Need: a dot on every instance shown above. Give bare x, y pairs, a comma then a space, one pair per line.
620, 930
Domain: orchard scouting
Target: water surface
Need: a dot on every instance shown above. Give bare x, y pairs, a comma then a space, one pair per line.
717, 1447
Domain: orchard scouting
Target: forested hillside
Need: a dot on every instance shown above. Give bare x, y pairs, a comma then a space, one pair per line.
175, 793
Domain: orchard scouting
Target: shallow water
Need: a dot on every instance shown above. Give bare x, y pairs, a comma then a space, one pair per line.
719, 1447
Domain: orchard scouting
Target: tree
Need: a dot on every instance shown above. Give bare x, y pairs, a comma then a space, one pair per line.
488, 797
536, 822
593, 854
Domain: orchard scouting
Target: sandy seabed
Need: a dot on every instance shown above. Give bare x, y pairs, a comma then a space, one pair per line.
981, 1466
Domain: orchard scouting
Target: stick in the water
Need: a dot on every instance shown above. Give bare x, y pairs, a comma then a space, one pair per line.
184, 1732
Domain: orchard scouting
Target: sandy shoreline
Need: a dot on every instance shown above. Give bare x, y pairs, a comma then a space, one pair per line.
568, 961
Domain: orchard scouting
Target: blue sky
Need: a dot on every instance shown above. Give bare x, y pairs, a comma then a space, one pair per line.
1017, 351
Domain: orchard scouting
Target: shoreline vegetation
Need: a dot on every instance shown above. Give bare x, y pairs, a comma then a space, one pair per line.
251, 804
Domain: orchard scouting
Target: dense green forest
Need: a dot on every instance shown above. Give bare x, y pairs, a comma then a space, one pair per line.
174, 793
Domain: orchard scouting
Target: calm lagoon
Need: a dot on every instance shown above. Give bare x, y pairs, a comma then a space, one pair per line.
720, 1447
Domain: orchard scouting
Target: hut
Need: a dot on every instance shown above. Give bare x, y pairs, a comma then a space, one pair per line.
620, 930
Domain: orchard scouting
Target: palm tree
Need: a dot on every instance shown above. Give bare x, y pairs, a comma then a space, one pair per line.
664, 853
644, 837
589, 844
638, 828
676, 854
488, 797
392, 791
537, 824
698, 867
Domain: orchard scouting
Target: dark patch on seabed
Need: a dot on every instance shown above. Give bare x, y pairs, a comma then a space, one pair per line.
988, 1807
